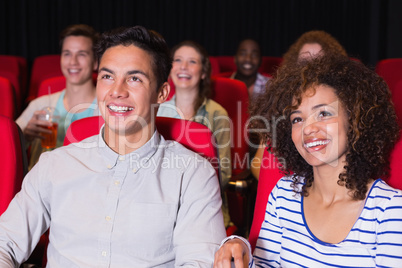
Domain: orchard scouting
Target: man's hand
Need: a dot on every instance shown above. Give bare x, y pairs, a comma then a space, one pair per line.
35, 127
233, 250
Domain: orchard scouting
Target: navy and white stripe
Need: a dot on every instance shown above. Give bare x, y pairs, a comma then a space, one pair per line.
374, 241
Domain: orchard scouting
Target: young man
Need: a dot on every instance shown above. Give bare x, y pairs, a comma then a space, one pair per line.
248, 59
76, 101
134, 199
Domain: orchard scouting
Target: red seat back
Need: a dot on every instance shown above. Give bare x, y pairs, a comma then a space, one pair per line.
10, 69
269, 176
13, 161
215, 69
226, 63
8, 105
395, 179
55, 84
269, 65
396, 92
233, 96
390, 70
43, 67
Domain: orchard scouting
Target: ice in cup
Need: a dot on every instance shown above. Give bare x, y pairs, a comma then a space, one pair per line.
50, 140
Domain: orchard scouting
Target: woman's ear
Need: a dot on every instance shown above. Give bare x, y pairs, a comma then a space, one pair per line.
163, 92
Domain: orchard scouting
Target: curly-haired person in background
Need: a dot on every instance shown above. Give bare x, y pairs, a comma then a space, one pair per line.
310, 45
335, 127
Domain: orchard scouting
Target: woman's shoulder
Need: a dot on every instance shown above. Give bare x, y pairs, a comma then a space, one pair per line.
286, 184
213, 106
380, 192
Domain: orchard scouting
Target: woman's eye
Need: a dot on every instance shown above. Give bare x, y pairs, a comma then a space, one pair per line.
324, 114
295, 120
176, 60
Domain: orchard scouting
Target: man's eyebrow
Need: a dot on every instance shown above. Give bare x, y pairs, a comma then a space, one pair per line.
138, 72
106, 70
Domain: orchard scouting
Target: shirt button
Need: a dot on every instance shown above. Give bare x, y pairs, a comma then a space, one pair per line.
121, 158
109, 166
108, 218
104, 253
116, 182
134, 170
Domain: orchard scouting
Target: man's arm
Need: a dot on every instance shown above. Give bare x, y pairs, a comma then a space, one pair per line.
22, 224
199, 227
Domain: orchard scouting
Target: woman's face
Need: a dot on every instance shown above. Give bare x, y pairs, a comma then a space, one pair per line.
310, 51
319, 127
187, 68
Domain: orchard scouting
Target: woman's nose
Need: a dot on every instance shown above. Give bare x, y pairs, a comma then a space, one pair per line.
310, 126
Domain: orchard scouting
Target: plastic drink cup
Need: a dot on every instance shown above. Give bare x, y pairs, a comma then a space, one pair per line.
50, 140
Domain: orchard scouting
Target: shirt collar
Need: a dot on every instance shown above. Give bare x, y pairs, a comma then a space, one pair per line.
137, 158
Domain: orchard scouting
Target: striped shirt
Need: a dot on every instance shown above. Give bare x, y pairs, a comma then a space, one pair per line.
374, 241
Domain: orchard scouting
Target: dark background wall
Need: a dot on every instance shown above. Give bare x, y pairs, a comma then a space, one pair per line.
369, 29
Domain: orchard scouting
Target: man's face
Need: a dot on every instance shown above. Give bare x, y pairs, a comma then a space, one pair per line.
77, 60
127, 89
248, 58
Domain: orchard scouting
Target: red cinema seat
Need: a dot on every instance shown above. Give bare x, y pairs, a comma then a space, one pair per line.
55, 84
8, 105
269, 65
215, 69
226, 63
43, 67
233, 96
10, 69
13, 160
269, 176
390, 70
395, 178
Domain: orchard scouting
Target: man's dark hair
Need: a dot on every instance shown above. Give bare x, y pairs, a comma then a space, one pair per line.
79, 30
148, 40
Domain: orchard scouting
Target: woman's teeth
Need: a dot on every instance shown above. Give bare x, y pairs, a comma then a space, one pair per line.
316, 143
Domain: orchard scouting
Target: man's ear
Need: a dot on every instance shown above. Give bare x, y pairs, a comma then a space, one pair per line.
163, 92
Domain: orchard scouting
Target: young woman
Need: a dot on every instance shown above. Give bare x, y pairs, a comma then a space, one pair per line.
191, 75
335, 127
308, 46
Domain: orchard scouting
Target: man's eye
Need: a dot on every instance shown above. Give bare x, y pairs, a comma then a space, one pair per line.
106, 76
135, 79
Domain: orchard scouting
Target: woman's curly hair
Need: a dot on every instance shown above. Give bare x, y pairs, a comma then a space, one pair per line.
327, 42
373, 128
